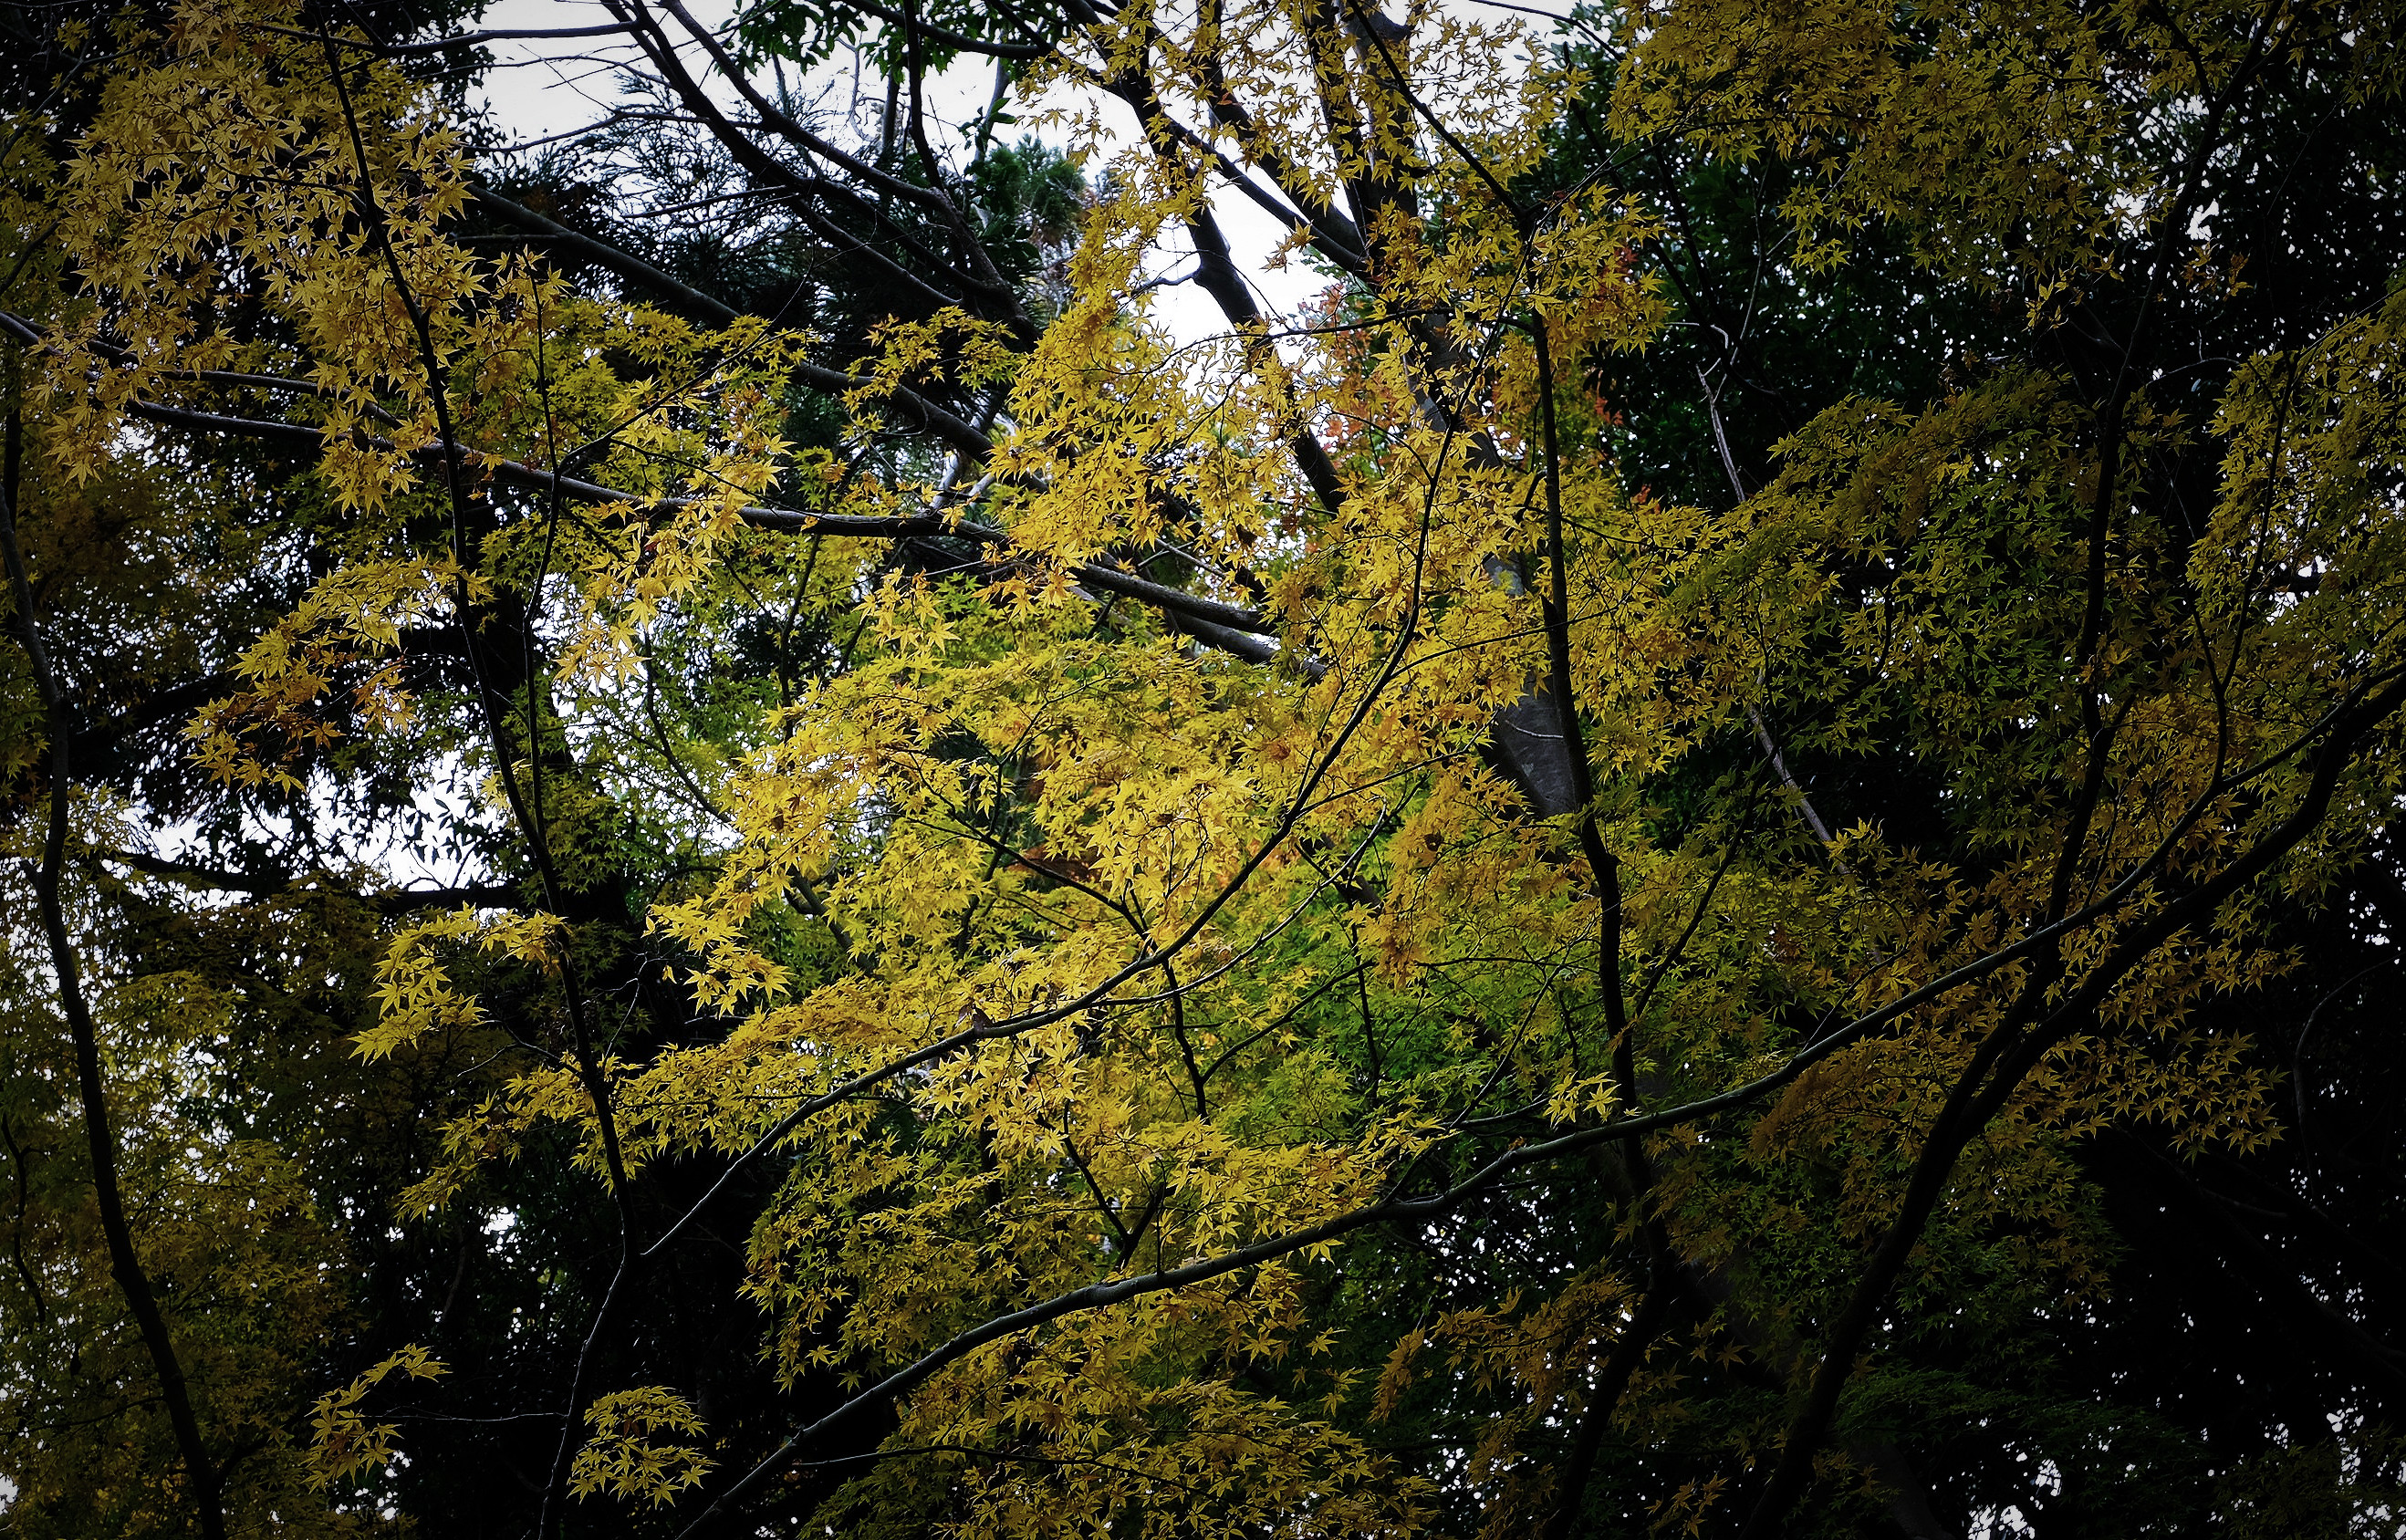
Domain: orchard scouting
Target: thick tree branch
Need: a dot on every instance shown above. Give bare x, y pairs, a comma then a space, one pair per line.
2008, 1056
124, 1262
1215, 617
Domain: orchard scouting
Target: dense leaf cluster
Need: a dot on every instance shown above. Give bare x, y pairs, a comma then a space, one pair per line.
703, 839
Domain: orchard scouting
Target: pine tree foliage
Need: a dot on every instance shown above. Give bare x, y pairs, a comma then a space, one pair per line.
1712, 853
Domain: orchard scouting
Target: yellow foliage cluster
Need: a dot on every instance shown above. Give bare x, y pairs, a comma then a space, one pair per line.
1083, 988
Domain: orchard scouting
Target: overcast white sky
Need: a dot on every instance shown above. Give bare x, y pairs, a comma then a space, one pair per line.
546, 88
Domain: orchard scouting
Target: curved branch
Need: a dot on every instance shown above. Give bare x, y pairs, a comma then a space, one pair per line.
124, 1263
1213, 616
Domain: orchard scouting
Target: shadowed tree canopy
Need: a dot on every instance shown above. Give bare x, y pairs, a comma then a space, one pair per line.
711, 832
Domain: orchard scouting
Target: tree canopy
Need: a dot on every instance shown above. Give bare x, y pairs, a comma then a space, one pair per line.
704, 839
